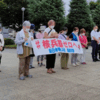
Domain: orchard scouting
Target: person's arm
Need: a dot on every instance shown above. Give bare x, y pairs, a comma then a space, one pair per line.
85, 44
67, 38
96, 39
92, 35
17, 41
80, 40
86, 41
2, 39
46, 36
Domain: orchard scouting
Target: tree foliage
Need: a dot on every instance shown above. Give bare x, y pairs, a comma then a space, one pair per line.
12, 15
79, 15
3, 6
96, 16
41, 11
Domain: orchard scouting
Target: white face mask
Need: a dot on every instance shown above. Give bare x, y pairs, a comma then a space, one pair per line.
76, 33
27, 30
52, 27
96, 30
65, 33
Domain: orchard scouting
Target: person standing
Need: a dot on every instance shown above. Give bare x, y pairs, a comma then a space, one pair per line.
50, 59
84, 43
34, 36
74, 37
40, 35
24, 51
94, 43
99, 44
64, 56
1, 44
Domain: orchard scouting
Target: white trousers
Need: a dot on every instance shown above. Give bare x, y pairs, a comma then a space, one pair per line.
82, 56
74, 58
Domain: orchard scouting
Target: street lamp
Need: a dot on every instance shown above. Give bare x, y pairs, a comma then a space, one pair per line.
23, 9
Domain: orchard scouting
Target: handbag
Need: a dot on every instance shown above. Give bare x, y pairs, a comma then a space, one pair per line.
87, 47
32, 55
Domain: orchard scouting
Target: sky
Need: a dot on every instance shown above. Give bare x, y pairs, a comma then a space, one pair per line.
67, 2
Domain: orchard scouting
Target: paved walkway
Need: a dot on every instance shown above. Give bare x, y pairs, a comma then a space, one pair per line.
77, 83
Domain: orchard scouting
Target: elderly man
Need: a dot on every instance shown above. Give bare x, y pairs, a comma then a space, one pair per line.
24, 51
94, 43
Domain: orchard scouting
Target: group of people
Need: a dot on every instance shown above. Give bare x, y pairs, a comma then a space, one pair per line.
26, 54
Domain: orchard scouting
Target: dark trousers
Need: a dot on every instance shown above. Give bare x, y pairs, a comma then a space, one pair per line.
94, 49
99, 50
0, 59
50, 61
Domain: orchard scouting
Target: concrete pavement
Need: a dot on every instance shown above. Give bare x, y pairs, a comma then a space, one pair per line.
77, 83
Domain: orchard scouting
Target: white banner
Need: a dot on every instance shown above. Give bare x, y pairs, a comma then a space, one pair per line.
51, 46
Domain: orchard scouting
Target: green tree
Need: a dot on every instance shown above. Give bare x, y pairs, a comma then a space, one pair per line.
96, 17
12, 14
41, 11
93, 6
3, 6
98, 1
79, 15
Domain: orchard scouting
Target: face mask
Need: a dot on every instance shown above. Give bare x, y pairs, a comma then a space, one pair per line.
27, 30
76, 33
83, 34
65, 33
96, 30
52, 27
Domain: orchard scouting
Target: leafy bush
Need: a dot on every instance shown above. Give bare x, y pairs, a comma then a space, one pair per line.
11, 46
9, 41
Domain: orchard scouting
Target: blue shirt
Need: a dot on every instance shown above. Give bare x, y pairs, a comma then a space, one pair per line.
73, 36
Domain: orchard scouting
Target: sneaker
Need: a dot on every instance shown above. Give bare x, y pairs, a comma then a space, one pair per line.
39, 64
22, 78
97, 60
94, 60
77, 64
83, 63
30, 76
64, 68
74, 65
42, 64
30, 67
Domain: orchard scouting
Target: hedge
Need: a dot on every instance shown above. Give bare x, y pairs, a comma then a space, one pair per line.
9, 41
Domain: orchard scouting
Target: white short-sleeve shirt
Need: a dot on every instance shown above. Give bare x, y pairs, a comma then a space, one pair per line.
99, 34
94, 34
47, 30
